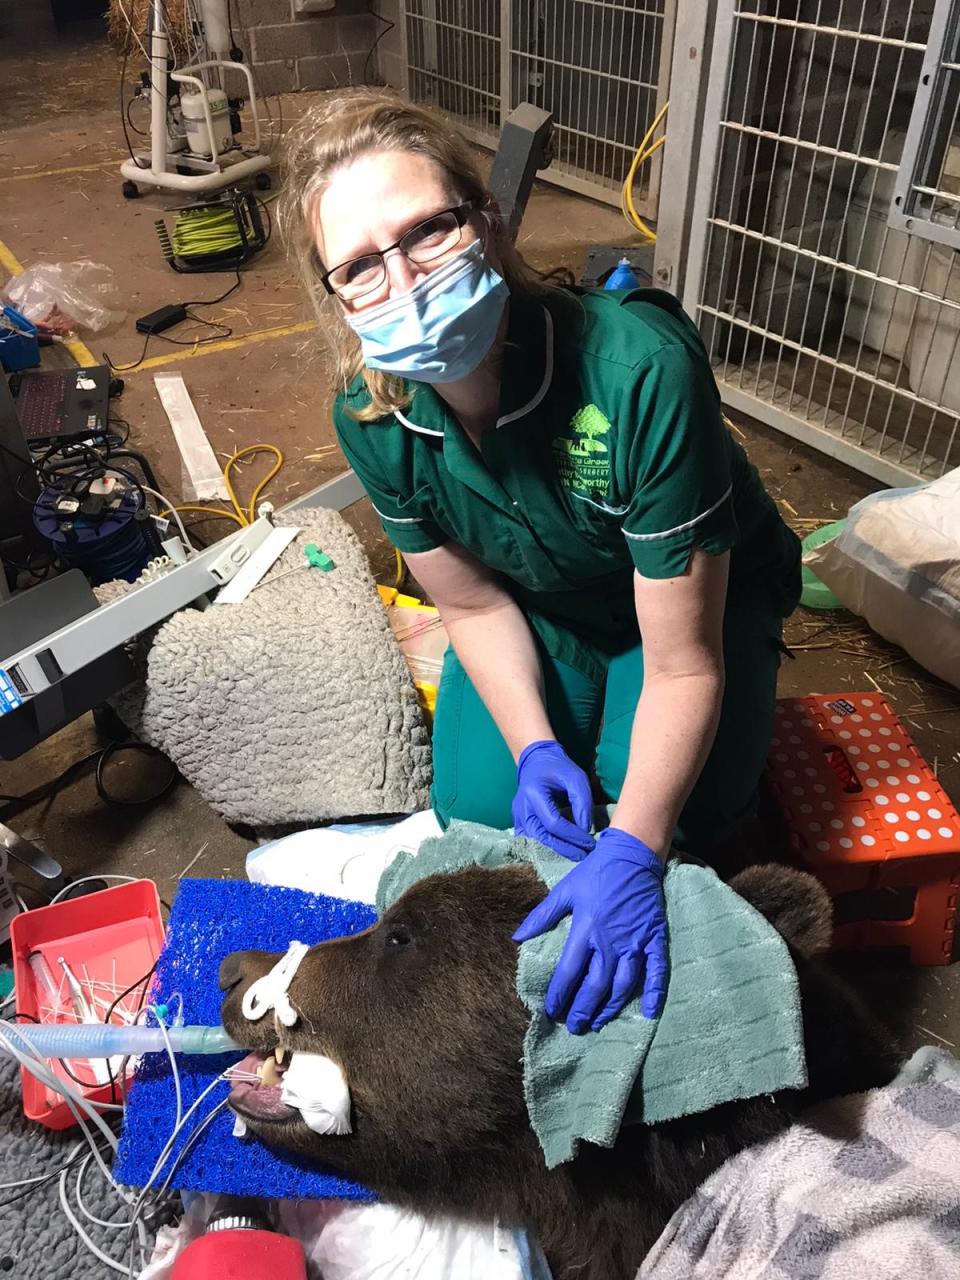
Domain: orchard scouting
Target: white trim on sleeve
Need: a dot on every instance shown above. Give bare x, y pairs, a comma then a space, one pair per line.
680, 528
398, 519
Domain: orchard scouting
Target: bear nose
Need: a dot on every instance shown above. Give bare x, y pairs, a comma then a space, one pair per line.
231, 971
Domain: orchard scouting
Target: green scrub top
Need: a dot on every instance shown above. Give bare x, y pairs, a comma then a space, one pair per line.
610, 454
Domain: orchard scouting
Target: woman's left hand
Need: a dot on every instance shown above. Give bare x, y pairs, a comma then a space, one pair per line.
546, 779
618, 934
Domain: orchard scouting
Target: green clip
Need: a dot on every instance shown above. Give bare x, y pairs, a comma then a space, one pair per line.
318, 559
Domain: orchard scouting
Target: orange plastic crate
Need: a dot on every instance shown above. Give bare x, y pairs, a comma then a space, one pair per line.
866, 813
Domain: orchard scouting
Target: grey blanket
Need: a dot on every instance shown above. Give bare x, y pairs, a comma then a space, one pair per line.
33, 1229
866, 1188
295, 705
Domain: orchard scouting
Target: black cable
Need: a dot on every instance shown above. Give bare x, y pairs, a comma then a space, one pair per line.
234, 47
110, 751
209, 302
50, 1177
119, 422
126, 112
123, 99
125, 368
386, 31
264, 208
225, 332
18, 804
109, 1014
138, 458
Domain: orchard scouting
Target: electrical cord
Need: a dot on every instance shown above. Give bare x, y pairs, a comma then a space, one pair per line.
385, 32
643, 153
209, 302
224, 332
14, 805
238, 515
123, 104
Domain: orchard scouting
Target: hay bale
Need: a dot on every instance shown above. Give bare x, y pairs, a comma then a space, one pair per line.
178, 16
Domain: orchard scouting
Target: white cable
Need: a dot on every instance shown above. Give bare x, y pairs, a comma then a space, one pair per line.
76, 1102
77, 1191
77, 1226
188, 1146
85, 879
173, 1067
162, 1158
155, 493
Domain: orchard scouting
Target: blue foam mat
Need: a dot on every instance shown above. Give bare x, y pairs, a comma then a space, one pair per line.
211, 918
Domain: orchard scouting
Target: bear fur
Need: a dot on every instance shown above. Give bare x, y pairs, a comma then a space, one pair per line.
422, 1015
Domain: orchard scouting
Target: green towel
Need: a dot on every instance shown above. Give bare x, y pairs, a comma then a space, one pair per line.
731, 1027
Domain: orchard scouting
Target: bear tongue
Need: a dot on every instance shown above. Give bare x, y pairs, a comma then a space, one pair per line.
258, 1100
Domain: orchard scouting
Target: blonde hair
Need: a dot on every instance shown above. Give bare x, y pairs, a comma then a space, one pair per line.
347, 123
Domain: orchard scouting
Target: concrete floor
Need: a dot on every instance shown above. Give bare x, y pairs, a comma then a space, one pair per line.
60, 148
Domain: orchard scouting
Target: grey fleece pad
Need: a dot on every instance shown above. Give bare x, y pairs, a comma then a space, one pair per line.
864, 1186
33, 1230
295, 705
731, 1027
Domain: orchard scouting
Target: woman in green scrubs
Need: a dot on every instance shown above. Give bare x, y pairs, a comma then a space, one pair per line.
554, 466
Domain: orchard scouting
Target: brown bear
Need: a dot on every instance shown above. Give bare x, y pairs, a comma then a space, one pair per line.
422, 1015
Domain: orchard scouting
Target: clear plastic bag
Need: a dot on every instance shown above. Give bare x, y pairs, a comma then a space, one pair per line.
897, 564
62, 296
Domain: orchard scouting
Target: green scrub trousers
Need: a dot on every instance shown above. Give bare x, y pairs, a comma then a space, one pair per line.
591, 698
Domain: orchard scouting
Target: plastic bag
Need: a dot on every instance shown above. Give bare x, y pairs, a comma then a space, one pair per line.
896, 563
61, 296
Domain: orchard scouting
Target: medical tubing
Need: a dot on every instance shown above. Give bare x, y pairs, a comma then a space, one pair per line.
103, 1040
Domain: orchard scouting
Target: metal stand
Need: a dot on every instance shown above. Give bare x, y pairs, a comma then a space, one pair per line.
221, 170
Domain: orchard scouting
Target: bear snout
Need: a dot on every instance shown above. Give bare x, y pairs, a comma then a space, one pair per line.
245, 967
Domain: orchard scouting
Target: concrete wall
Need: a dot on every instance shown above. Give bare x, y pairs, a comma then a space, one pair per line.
25, 24
289, 51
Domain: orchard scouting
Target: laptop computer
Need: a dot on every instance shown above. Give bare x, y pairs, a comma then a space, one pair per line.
62, 404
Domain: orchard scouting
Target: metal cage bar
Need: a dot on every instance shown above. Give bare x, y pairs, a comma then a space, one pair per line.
600, 67
824, 316
920, 207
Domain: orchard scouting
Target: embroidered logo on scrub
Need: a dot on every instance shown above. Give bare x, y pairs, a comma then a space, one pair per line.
583, 457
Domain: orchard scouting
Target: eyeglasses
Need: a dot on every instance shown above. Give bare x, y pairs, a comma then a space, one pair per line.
429, 239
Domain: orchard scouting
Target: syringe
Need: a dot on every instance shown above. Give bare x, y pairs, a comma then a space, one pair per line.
105, 1040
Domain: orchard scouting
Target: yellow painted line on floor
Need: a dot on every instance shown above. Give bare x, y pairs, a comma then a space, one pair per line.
226, 344
53, 173
79, 350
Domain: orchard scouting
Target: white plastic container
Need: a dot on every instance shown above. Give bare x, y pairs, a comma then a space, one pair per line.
934, 355
881, 315
195, 124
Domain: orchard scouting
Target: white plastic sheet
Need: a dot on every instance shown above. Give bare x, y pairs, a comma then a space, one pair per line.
896, 563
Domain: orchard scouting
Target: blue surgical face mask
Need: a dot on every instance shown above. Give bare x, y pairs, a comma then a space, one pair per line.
443, 328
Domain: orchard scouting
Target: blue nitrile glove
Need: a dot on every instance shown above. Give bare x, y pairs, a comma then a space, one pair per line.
618, 934
547, 778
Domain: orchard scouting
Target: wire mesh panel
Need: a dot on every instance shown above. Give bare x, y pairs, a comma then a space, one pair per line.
599, 66
453, 61
820, 317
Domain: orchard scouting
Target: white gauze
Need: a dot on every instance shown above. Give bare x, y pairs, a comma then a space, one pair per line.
316, 1086
270, 991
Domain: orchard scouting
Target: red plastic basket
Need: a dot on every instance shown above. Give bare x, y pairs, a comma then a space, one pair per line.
867, 815
109, 940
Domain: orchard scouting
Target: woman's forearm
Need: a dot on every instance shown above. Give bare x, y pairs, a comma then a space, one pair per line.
673, 731
497, 649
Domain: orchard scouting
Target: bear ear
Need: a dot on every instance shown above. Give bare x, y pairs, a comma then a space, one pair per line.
795, 903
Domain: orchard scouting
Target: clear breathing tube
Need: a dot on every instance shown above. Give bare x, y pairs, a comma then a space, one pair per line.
107, 1040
